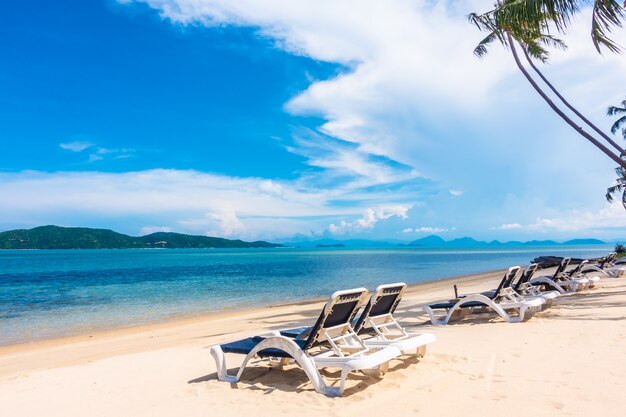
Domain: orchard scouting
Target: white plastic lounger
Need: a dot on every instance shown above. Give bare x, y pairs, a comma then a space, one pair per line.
560, 282
529, 291
503, 299
377, 317
580, 276
608, 267
377, 326
332, 343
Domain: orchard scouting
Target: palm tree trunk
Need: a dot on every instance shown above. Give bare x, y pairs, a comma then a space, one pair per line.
569, 106
558, 111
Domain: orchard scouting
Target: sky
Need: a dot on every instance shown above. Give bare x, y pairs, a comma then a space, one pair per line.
265, 119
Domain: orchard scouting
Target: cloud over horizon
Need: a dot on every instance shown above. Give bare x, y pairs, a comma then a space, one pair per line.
415, 135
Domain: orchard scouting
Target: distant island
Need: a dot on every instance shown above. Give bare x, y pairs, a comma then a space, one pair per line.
436, 242
56, 237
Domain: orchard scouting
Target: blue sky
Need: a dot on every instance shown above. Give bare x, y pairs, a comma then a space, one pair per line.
262, 119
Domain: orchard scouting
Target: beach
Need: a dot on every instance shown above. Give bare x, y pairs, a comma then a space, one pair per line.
566, 360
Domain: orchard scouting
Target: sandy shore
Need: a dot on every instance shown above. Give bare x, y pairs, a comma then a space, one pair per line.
564, 361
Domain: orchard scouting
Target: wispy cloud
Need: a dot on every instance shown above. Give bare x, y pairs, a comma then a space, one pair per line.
189, 201
97, 153
400, 112
425, 229
509, 226
77, 146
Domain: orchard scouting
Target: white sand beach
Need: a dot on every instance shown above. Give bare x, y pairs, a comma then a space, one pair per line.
566, 361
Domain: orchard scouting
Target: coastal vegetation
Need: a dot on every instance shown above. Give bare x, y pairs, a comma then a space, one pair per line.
56, 237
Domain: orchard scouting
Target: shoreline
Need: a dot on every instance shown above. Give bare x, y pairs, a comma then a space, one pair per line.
161, 368
101, 344
187, 318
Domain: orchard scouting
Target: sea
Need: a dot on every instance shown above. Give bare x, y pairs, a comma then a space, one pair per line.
53, 293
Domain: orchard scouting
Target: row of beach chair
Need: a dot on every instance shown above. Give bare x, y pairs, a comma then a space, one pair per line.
343, 339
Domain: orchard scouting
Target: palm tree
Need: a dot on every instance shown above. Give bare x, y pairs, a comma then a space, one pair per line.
538, 15
618, 187
527, 23
621, 122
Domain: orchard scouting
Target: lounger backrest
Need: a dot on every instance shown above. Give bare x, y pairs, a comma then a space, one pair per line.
607, 260
564, 263
508, 279
527, 275
340, 309
576, 269
385, 300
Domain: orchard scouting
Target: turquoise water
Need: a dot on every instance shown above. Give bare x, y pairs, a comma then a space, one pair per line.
46, 294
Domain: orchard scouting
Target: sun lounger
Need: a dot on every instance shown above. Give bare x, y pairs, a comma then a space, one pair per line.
578, 274
502, 300
377, 326
331, 343
529, 291
607, 267
560, 281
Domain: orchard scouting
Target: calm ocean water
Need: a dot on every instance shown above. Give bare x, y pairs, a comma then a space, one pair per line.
54, 293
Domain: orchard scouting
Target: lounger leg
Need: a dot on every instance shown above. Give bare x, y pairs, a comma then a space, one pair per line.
290, 347
434, 320
220, 364
421, 351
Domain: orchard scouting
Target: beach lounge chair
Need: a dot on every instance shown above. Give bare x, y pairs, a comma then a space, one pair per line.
529, 291
578, 274
331, 343
559, 281
377, 326
502, 300
607, 267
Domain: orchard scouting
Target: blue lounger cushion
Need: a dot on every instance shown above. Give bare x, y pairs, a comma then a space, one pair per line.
245, 346
450, 305
293, 333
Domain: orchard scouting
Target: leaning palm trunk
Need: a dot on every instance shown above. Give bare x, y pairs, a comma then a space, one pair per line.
569, 106
558, 111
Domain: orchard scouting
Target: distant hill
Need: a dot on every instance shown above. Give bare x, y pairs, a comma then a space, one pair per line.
434, 241
584, 242
56, 237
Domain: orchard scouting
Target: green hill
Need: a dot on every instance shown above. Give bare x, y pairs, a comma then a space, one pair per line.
55, 237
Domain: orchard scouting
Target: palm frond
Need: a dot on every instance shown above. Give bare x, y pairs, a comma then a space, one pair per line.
612, 190
607, 14
613, 110
481, 49
538, 17
618, 123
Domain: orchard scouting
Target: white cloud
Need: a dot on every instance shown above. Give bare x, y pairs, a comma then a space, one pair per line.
455, 193
97, 153
146, 230
76, 146
188, 201
412, 103
611, 216
431, 229
509, 226
369, 219
425, 229
223, 222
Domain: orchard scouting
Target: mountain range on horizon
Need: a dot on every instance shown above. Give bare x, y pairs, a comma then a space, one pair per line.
57, 237
434, 241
